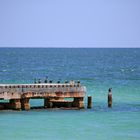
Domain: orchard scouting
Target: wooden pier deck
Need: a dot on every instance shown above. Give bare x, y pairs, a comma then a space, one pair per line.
54, 95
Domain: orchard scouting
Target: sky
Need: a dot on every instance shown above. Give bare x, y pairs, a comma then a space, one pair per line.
70, 23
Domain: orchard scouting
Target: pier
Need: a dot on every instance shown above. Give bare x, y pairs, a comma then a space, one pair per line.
55, 95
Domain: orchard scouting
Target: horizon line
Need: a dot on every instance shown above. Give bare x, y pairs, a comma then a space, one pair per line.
71, 47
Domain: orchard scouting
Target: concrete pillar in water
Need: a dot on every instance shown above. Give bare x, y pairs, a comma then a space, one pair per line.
110, 97
89, 102
25, 105
15, 104
47, 103
81, 103
50, 105
78, 102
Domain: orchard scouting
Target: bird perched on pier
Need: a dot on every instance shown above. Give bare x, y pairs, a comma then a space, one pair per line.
45, 81
66, 81
39, 80
110, 89
110, 97
35, 81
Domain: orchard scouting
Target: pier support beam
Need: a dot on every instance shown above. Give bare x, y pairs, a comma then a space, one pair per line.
25, 105
15, 104
78, 102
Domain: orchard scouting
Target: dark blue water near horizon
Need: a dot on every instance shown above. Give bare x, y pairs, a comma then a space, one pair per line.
97, 69
94, 64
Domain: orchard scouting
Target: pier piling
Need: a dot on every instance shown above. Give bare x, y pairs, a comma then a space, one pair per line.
15, 104
89, 102
110, 97
25, 105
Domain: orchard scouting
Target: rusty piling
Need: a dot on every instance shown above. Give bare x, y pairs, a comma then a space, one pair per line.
89, 102
110, 97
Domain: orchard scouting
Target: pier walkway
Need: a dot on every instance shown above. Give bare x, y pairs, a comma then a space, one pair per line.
54, 95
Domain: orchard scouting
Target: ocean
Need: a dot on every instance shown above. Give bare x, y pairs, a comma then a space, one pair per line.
98, 70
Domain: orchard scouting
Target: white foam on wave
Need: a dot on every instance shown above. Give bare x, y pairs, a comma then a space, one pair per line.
127, 70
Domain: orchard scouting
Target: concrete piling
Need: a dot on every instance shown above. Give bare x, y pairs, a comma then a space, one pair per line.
45, 102
89, 102
15, 104
110, 97
78, 102
25, 105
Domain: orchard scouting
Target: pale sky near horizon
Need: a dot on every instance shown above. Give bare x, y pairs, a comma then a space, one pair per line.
70, 23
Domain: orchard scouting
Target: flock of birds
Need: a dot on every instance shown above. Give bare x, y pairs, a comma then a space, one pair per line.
38, 81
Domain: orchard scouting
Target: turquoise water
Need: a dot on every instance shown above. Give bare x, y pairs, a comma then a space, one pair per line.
97, 69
